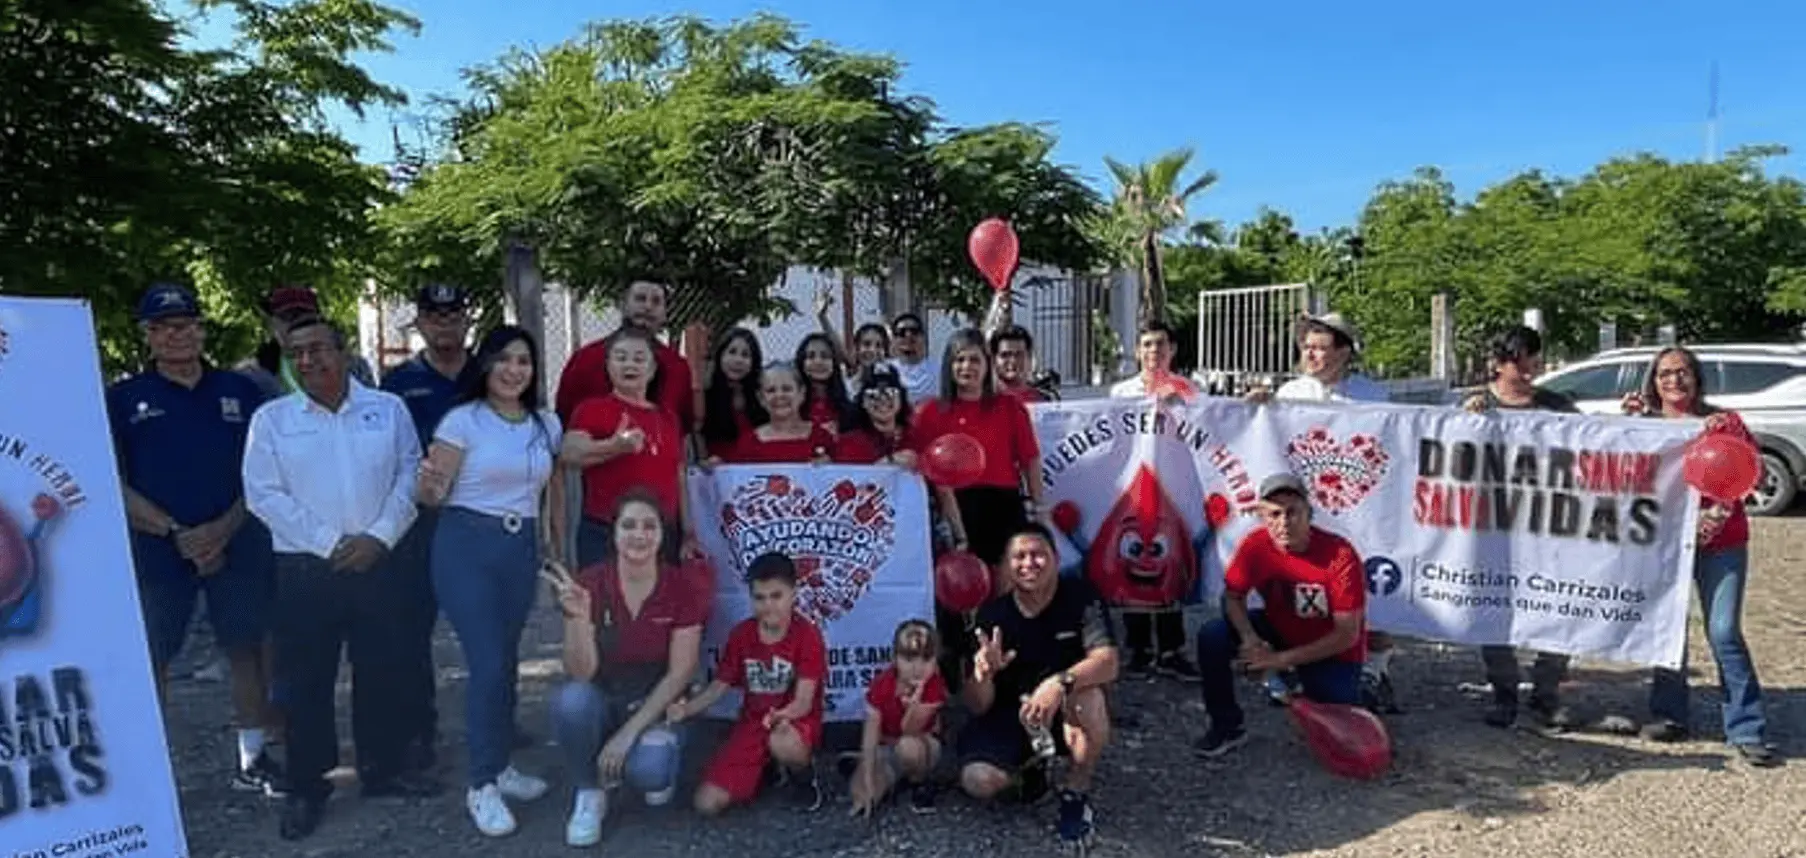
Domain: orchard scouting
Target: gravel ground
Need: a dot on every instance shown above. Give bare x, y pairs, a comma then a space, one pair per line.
1458, 788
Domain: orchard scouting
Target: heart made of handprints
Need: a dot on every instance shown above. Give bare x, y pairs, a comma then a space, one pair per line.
828, 584
1339, 474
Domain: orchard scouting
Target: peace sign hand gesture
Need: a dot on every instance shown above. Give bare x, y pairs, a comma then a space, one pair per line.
991, 656
573, 598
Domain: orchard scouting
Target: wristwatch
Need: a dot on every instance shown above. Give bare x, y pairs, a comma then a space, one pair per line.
1067, 681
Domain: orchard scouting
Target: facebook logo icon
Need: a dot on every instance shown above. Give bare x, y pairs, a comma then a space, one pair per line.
1383, 576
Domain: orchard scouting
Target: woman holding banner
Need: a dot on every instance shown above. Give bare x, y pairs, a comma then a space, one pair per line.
632, 640
1671, 390
788, 436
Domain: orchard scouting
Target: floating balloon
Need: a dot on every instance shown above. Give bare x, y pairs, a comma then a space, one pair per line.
961, 581
1722, 467
994, 250
954, 460
1348, 741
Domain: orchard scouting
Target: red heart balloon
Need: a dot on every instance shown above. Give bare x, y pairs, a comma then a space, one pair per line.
994, 250
1722, 467
955, 460
961, 581
1347, 740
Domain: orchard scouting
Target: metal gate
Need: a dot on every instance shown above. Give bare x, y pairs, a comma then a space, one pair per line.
1249, 334
1060, 313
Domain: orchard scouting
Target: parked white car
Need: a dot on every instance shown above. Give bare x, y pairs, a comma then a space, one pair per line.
1766, 384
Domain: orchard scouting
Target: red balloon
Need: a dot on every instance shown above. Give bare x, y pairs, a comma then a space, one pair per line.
1722, 467
1346, 740
1065, 516
994, 250
1216, 509
961, 581
954, 460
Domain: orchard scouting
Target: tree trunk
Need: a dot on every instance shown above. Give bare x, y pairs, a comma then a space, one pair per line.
1153, 281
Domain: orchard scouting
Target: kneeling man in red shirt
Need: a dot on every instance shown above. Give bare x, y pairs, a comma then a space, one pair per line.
1313, 623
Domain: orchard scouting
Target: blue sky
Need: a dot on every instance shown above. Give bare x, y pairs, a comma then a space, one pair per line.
1303, 105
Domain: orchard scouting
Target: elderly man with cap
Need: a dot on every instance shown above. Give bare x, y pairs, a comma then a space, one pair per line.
429, 383
179, 429
268, 367
1312, 627
1327, 348
331, 470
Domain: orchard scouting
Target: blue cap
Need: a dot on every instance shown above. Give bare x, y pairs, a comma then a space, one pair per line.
439, 296
166, 301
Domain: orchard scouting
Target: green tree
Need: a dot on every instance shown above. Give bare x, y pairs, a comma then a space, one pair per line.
129, 158
714, 157
1149, 205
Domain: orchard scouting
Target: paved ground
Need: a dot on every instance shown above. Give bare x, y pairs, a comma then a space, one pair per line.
1458, 787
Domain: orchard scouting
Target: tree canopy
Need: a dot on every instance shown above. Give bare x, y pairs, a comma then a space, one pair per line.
713, 158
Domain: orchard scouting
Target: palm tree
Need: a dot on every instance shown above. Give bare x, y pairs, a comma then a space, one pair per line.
1149, 204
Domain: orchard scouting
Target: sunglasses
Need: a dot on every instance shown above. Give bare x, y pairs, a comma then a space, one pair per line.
879, 394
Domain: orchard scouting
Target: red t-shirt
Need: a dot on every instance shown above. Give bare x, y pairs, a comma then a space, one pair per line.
1001, 426
822, 413
1302, 592
679, 600
585, 376
883, 698
768, 672
1029, 394
868, 446
753, 450
1735, 532
654, 468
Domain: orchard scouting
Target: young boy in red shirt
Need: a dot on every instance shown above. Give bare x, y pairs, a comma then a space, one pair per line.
779, 661
902, 723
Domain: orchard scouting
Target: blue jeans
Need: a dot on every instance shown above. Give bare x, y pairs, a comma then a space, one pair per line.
1331, 680
486, 576
583, 720
1720, 577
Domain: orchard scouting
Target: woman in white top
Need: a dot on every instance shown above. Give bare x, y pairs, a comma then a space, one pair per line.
488, 468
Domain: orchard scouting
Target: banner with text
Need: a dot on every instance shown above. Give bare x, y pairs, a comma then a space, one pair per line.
859, 536
84, 765
1552, 532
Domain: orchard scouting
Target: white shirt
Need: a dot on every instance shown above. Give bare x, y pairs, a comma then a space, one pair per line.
505, 463
921, 379
1352, 388
315, 476
1136, 387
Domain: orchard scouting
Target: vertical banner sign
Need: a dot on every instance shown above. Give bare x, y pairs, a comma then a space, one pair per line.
859, 537
84, 765
1552, 532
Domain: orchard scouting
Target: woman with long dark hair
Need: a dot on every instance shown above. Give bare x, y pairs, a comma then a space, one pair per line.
987, 513
632, 640
878, 431
488, 469
624, 440
1672, 390
826, 402
730, 402
787, 435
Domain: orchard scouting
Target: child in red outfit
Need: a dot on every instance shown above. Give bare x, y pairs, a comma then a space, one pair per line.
902, 722
779, 661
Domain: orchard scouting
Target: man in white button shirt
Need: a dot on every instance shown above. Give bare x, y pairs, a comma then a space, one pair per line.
330, 470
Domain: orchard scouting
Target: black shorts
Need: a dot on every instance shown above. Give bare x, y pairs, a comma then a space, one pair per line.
997, 738
992, 515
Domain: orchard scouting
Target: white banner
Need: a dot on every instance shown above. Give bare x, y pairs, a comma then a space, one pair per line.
1552, 532
860, 539
84, 765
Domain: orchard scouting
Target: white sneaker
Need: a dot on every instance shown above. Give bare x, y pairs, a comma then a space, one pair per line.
489, 811
587, 813
660, 798
520, 787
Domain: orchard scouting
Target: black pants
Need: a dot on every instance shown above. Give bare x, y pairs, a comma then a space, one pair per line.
318, 613
1156, 633
416, 613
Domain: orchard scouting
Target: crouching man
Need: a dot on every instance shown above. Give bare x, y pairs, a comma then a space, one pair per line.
1312, 630
1036, 690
